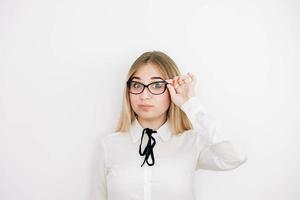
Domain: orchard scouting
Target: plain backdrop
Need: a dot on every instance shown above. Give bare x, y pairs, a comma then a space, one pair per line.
63, 66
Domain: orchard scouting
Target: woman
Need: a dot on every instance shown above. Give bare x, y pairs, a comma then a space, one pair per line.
163, 136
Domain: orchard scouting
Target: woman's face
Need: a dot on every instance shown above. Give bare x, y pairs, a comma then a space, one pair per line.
146, 74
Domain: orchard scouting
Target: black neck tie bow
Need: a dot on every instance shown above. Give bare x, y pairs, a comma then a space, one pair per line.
148, 151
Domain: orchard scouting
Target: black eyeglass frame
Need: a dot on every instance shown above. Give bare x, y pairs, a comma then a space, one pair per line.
147, 86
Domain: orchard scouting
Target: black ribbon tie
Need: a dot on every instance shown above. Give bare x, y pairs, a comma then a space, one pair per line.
148, 151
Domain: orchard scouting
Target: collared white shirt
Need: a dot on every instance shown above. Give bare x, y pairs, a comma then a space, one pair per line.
177, 157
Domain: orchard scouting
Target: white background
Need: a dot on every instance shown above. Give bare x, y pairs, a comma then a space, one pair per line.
63, 66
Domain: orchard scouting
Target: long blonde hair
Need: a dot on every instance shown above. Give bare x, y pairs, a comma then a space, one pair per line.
179, 121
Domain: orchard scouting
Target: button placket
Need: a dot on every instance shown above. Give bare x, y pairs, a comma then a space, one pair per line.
147, 182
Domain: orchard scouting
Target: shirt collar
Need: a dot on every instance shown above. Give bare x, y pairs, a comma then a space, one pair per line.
136, 130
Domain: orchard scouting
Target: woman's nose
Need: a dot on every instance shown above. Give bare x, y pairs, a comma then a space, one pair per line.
145, 94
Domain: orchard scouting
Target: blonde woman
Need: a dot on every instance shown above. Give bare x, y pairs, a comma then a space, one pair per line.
163, 136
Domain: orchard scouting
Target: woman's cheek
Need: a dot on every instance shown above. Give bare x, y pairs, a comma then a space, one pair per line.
165, 102
133, 102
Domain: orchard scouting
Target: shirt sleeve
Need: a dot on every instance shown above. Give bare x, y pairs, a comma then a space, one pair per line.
99, 187
213, 155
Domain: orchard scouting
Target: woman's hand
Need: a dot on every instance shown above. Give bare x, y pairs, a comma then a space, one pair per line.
181, 88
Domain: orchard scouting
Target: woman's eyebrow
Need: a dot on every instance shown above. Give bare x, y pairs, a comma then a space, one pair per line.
154, 77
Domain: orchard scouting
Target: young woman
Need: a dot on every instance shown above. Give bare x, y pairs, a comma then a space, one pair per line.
163, 136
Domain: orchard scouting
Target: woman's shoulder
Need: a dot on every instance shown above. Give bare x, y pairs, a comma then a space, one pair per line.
190, 134
108, 137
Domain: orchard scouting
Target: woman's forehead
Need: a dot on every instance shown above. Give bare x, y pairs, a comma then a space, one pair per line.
147, 72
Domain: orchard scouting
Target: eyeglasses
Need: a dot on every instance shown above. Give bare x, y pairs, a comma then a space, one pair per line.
155, 88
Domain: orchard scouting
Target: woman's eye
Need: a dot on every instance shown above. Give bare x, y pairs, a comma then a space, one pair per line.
136, 85
157, 85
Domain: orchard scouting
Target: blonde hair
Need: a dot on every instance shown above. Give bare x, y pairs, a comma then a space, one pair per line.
179, 121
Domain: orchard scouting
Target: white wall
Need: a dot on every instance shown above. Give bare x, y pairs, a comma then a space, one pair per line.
63, 65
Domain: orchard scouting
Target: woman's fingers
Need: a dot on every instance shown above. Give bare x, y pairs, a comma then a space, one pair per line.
171, 89
170, 81
173, 82
192, 76
176, 82
187, 79
182, 79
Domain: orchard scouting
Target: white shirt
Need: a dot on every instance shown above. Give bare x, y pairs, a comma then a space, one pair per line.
177, 157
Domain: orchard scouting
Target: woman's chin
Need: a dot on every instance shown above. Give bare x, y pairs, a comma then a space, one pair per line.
147, 116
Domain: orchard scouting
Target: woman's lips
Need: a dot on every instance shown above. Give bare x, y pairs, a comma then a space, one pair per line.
145, 107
